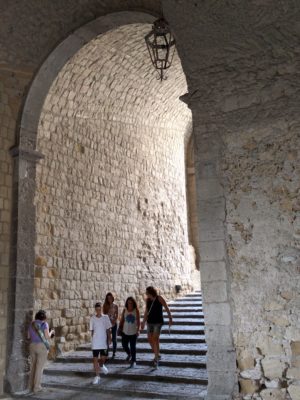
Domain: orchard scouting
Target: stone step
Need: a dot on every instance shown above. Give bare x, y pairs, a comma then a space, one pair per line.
181, 375
171, 360
180, 320
141, 372
165, 348
186, 307
179, 338
185, 315
134, 388
191, 302
180, 329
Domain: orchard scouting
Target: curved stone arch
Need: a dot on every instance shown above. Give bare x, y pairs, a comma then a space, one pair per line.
21, 298
25, 171
57, 59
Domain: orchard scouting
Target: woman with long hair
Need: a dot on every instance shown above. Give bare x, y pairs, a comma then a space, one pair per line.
153, 316
130, 328
111, 309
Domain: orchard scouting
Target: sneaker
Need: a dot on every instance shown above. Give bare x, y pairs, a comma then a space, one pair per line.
96, 380
155, 364
133, 365
39, 390
104, 370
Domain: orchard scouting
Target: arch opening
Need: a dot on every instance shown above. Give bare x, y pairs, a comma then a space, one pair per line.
93, 87
116, 219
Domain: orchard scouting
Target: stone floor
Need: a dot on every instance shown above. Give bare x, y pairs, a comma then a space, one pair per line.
181, 375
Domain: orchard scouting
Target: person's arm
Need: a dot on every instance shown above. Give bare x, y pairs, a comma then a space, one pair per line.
108, 330
165, 305
109, 336
91, 327
145, 318
122, 320
114, 319
47, 333
138, 322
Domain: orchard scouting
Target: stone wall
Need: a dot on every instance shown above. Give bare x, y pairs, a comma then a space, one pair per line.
262, 169
12, 84
29, 32
241, 61
110, 201
193, 224
244, 99
113, 221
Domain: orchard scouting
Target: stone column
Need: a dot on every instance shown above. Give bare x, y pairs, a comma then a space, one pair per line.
21, 293
221, 364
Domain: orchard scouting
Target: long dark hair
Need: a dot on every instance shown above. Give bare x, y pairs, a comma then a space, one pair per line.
106, 304
135, 307
152, 291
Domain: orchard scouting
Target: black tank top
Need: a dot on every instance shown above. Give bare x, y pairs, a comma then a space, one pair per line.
155, 312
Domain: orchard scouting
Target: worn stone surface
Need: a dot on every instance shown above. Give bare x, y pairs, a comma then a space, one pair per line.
241, 61
248, 386
273, 394
259, 165
12, 84
180, 374
110, 159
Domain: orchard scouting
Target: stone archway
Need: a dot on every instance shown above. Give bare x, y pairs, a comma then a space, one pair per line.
27, 153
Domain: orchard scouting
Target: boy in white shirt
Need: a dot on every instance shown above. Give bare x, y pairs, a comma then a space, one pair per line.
100, 329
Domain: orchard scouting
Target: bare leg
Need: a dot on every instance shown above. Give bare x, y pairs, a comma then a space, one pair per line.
150, 340
96, 366
102, 360
155, 345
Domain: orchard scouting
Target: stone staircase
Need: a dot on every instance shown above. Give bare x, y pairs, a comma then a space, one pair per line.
181, 374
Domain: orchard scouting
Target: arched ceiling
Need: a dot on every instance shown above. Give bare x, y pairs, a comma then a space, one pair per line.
112, 78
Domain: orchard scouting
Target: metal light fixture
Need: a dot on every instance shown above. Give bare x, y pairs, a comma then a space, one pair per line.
161, 46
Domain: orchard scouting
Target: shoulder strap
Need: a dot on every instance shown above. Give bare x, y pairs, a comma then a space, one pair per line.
38, 330
151, 305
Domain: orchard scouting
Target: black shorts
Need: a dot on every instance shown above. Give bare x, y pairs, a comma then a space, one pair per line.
102, 352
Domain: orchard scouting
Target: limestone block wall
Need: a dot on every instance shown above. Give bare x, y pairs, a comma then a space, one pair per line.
244, 98
193, 223
111, 199
262, 168
111, 216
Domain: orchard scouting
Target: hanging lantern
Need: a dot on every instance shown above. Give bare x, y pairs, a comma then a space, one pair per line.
161, 46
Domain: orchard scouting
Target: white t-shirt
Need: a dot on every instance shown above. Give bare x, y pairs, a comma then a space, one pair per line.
99, 326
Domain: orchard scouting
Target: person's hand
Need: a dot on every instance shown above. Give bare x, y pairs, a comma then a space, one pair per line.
52, 333
137, 332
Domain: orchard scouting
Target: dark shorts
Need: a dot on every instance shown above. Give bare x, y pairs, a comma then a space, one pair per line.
154, 328
102, 352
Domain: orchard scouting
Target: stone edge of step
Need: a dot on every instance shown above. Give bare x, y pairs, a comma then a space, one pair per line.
131, 377
132, 393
